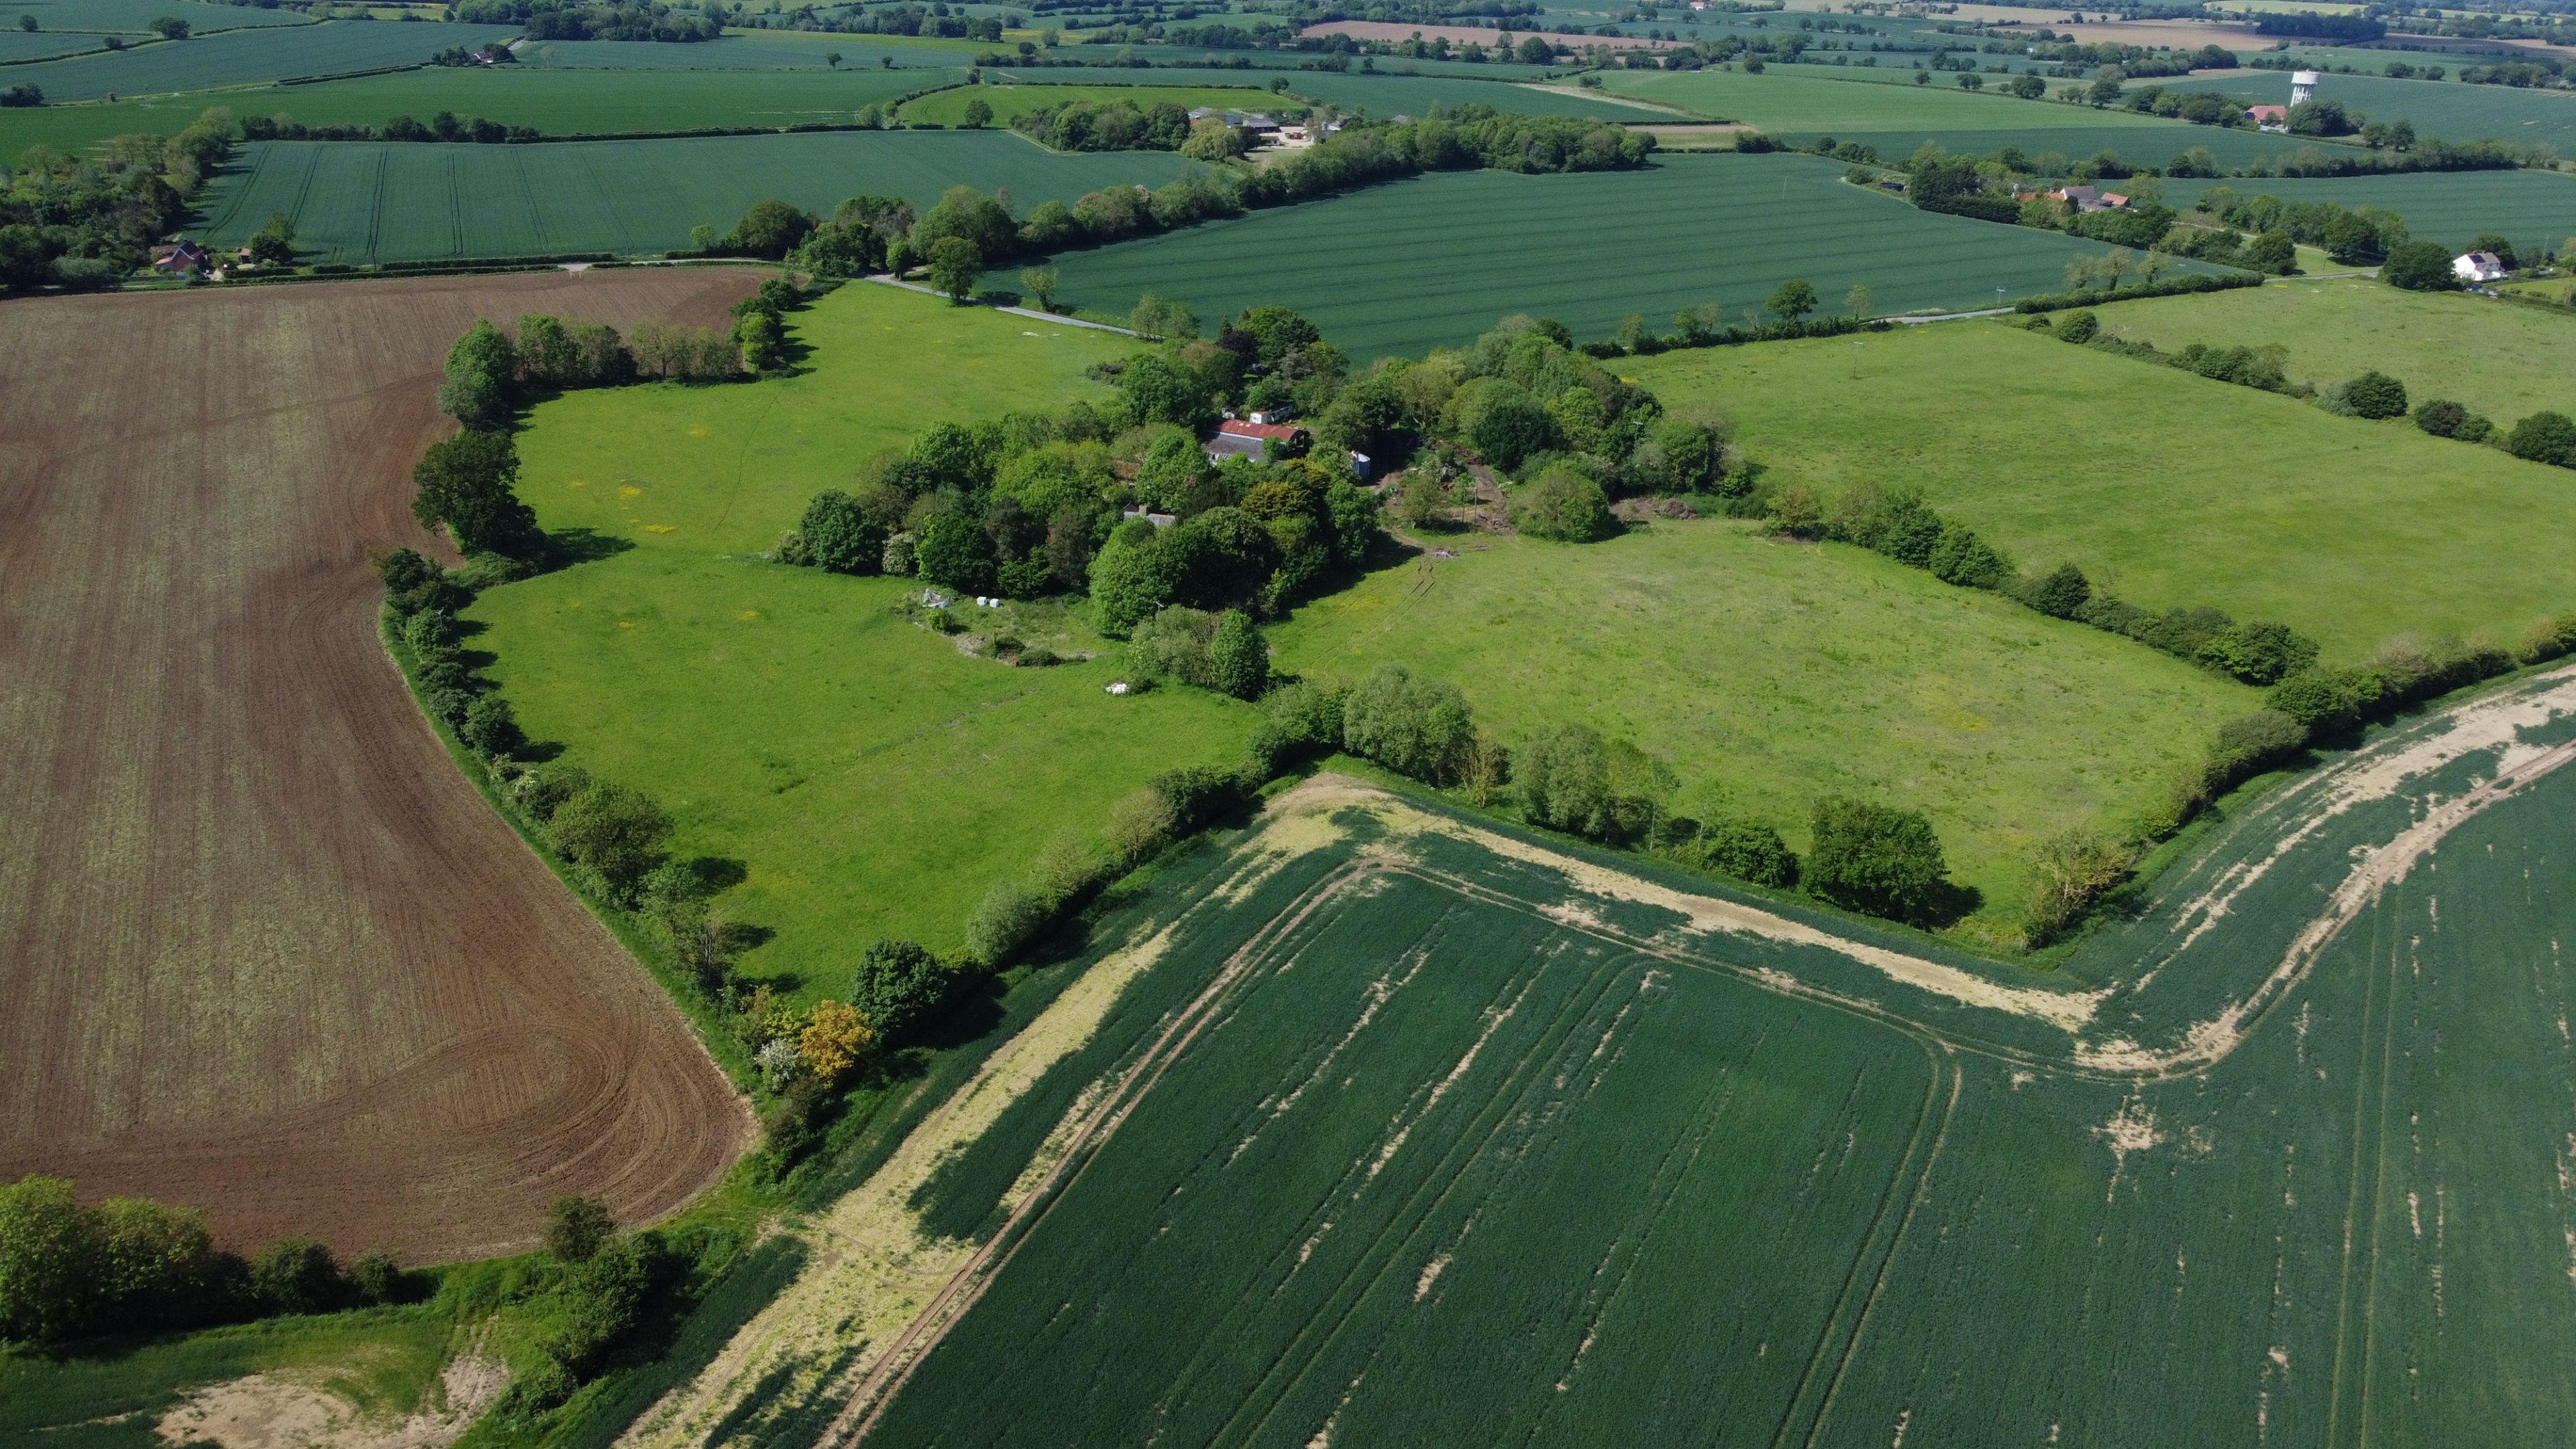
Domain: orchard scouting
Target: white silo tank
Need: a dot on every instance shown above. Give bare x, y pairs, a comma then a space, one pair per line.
2302, 84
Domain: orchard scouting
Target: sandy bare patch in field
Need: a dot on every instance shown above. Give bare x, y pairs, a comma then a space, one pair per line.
264, 1412
270, 955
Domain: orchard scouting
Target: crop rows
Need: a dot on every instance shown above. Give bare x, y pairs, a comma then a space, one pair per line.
2536, 210
1441, 1172
361, 202
1465, 1154
243, 56
1405, 267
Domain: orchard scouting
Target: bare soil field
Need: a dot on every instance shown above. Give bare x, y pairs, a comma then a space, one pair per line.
267, 952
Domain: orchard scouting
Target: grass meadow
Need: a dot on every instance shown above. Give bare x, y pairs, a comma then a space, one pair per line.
1769, 674
1408, 266
2535, 209
871, 778
1483, 1144
240, 57
402, 201
2167, 488
2504, 361
109, 1396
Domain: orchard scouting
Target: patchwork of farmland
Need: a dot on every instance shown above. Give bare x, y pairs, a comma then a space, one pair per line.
337, 47
135, 17
396, 201
783, 51
1010, 102
1381, 96
1412, 1131
18, 45
2183, 492
2535, 209
2447, 109
1402, 268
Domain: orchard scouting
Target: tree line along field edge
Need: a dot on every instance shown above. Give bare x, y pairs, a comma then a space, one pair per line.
241, 57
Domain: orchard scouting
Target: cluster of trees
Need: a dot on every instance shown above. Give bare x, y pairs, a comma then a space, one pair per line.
935, 19
809, 1058
72, 1270
587, 20
489, 376
445, 126
2343, 29
88, 220
1110, 126
1032, 504
2351, 235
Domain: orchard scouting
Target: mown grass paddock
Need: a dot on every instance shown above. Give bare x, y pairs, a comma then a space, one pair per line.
2167, 488
1419, 1131
1408, 266
1867, 679
2506, 362
361, 202
872, 779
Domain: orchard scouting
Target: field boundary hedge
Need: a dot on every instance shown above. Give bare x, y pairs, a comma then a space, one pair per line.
2162, 287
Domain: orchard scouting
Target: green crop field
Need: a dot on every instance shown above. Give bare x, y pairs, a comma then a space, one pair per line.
737, 52
2446, 109
1378, 95
2504, 361
18, 45
1895, 119
1872, 679
1432, 262
240, 57
395, 201
1009, 102
1414, 1131
2168, 488
557, 102
872, 779
2535, 209
135, 17
1807, 103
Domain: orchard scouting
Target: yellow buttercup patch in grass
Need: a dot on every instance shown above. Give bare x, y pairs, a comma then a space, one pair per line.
660, 527
699, 431
630, 491
577, 483
748, 614
625, 623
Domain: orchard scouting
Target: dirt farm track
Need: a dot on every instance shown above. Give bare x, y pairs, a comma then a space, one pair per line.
263, 950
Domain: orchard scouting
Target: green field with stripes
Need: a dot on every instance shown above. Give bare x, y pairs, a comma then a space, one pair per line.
1405, 267
391, 201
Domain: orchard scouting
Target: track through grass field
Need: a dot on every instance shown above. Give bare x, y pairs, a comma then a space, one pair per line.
2166, 488
1408, 266
1870, 679
400, 201
1413, 1129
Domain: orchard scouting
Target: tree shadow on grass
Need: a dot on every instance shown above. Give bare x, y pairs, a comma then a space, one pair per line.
568, 546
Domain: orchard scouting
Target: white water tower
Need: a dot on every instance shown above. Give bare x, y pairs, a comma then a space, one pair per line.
2302, 84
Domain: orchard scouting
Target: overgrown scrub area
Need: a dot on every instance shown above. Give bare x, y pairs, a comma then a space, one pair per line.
81, 222
2177, 493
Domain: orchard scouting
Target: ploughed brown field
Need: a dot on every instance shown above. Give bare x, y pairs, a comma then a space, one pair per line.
263, 950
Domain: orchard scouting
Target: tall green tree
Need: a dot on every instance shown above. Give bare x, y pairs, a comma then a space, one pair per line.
955, 263
1792, 300
469, 484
